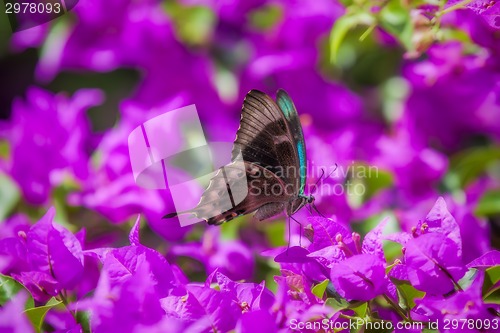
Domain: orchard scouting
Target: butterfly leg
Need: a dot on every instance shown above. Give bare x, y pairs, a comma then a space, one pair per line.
300, 230
289, 234
317, 211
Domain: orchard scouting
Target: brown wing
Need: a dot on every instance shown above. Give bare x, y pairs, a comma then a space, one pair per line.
239, 189
264, 138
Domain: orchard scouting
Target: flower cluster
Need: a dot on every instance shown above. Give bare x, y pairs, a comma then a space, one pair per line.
400, 98
336, 277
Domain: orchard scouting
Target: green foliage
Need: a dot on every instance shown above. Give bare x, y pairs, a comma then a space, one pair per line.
274, 234
37, 314
361, 309
491, 292
407, 294
370, 180
319, 289
340, 29
266, 17
9, 195
194, 24
395, 19
4, 149
83, 318
337, 304
489, 204
466, 281
469, 164
10, 288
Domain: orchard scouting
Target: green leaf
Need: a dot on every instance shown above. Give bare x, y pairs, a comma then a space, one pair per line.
9, 195
489, 204
320, 288
360, 310
193, 24
491, 277
493, 297
274, 234
8, 288
381, 180
395, 19
83, 318
229, 230
466, 281
4, 149
364, 182
337, 304
468, 165
342, 26
264, 18
407, 294
37, 315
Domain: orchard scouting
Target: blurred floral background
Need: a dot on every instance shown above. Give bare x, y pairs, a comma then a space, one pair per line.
410, 87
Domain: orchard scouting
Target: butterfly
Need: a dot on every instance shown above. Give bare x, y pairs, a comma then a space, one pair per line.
270, 146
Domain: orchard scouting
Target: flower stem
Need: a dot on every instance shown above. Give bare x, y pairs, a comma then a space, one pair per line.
396, 307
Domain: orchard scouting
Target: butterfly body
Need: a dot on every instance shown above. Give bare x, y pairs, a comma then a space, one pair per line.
270, 148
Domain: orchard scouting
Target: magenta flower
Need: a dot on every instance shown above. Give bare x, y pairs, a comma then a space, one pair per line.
333, 243
433, 252
488, 10
110, 305
110, 188
461, 90
133, 274
218, 309
360, 277
12, 316
466, 304
122, 263
261, 321
48, 258
230, 257
487, 260
53, 129
417, 168
249, 296
434, 263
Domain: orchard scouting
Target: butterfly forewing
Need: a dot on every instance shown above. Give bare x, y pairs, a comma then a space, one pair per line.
295, 129
264, 137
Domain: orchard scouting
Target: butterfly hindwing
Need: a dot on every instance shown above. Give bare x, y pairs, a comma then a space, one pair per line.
229, 195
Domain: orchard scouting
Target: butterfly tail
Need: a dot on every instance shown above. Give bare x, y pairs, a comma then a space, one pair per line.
174, 214
170, 215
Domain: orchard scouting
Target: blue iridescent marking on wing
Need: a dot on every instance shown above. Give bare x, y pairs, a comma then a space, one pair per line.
302, 165
288, 108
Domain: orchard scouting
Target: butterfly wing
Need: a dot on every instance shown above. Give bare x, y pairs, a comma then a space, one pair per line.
228, 195
270, 135
294, 129
271, 144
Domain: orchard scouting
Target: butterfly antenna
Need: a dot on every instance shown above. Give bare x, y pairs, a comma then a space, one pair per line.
331, 173
317, 182
300, 230
335, 169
